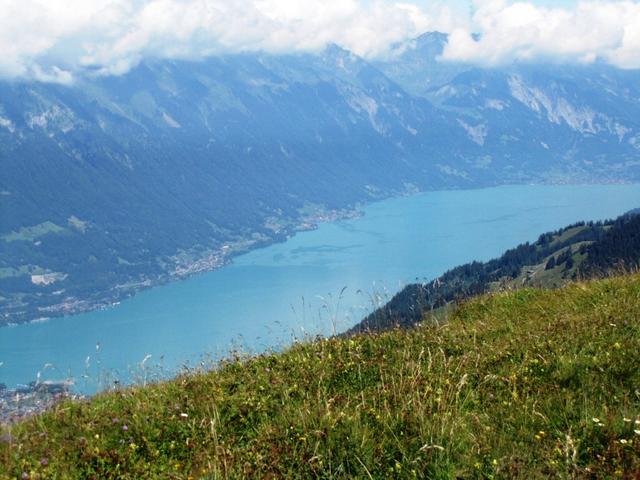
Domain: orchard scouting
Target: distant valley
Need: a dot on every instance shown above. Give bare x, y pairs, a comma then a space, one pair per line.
114, 184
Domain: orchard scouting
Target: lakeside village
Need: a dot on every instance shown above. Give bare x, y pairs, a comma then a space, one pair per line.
28, 400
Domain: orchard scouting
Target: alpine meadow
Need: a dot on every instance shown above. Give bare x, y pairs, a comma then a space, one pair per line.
328, 239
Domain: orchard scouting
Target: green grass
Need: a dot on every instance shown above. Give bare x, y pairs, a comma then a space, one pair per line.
568, 234
30, 234
526, 384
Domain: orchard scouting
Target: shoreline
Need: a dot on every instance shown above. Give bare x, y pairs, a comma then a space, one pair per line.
208, 261
26, 401
30, 401
213, 259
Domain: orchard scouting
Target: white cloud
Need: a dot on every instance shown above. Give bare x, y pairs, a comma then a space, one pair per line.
593, 30
55, 40
51, 40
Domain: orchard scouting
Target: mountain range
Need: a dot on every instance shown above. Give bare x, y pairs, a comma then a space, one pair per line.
113, 184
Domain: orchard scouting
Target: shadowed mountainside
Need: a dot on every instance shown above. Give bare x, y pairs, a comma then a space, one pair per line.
114, 184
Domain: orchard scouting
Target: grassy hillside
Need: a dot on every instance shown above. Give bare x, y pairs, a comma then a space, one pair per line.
524, 384
579, 251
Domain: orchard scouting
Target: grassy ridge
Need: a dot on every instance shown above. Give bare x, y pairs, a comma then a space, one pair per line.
526, 384
579, 251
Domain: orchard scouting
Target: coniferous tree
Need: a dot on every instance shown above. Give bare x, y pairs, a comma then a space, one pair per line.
551, 263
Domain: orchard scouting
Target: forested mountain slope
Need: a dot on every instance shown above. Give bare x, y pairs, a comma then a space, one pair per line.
578, 251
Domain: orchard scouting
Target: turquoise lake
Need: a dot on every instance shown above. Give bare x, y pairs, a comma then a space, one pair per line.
271, 296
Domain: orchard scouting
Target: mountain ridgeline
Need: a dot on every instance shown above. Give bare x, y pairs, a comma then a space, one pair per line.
579, 251
113, 184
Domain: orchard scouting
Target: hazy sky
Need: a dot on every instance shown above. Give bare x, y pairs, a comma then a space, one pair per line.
57, 40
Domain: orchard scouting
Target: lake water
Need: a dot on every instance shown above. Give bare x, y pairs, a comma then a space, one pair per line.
270, 296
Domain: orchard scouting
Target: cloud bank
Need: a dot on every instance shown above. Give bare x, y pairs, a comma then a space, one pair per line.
52, 40
608, 31
57, 40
